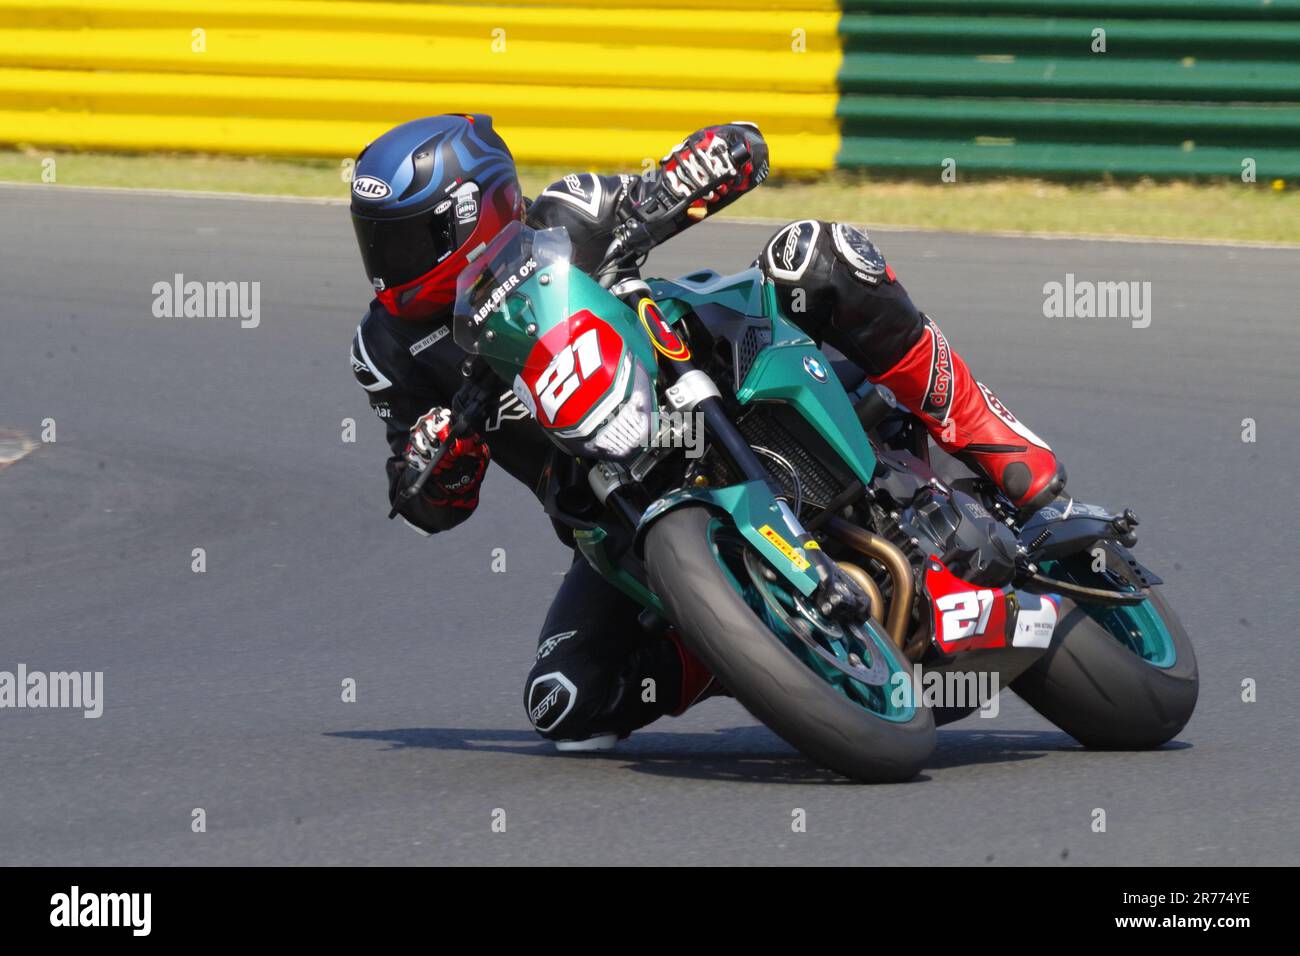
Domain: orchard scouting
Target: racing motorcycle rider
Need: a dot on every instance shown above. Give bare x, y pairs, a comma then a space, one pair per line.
429, 194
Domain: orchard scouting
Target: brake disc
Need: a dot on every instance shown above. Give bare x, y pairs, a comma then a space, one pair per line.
866, 663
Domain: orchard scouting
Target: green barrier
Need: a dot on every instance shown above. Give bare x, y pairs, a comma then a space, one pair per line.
1151, 124
1043, 78
1071, 37
1183, 9
1071, 87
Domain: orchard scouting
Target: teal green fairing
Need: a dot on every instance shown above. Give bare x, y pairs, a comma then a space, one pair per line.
586, 293
750, 506
540, 292
779, 373
550, 297
742, 292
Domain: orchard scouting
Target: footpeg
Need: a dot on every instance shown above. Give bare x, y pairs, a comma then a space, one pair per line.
1124, 526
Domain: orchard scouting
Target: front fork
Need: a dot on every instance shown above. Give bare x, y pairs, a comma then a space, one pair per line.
691, 390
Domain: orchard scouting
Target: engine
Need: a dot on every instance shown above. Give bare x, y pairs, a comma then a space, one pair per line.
960, 531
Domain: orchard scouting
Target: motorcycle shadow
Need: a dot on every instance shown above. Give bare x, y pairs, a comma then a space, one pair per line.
968, 748
749, 754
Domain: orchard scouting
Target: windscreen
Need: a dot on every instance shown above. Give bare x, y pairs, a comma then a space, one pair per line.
558, 338
512, 293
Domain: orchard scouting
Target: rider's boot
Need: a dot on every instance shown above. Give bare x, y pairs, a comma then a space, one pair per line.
967, 420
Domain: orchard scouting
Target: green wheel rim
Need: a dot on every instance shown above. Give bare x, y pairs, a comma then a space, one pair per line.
1139, 627
886, 701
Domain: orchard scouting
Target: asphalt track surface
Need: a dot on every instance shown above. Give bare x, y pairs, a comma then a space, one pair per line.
223, 689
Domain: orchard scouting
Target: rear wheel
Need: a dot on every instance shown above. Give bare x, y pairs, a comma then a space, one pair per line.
837, 699
1115, 678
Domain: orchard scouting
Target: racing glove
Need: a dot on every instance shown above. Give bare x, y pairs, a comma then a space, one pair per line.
456, 478
705, 159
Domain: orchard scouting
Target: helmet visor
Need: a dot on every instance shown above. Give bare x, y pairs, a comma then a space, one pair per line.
398, 251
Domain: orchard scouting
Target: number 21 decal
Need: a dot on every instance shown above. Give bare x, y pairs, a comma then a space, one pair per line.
570, 368
965, 614
561, 378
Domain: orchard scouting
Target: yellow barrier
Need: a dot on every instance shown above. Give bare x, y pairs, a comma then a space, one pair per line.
567, 83
606, 22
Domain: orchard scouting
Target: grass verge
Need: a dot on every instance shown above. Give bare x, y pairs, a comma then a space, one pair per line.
1256, 212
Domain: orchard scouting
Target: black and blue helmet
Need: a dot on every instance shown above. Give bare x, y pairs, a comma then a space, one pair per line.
425, 195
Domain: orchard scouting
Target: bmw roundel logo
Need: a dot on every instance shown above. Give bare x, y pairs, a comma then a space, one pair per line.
816, 368
368, 187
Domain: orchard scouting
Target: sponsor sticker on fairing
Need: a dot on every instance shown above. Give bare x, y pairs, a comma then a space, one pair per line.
785, 547
662, 337
1035, 621
499, 294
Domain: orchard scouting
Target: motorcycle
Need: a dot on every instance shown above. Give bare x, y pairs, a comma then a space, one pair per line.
710, 460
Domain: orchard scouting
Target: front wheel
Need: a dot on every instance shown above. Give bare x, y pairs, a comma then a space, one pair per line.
733, 621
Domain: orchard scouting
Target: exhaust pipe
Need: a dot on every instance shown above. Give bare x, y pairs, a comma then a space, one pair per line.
896, 564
